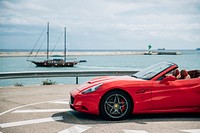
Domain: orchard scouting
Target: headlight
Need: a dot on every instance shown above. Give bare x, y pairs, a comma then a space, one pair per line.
92, 89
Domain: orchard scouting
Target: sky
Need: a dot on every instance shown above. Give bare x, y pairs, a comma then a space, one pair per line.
101, 24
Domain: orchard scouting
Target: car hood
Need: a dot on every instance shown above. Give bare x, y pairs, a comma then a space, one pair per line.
109, 79
103, 80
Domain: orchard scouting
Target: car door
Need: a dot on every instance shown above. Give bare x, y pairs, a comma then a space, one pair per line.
177, 94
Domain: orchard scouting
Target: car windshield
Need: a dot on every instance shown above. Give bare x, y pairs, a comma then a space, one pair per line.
152, 71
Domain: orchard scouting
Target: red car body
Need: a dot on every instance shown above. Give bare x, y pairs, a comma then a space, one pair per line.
117, 96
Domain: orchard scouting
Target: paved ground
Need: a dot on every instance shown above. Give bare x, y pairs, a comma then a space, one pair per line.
45, 109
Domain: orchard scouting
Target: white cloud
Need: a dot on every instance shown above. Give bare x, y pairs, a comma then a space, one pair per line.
108, 21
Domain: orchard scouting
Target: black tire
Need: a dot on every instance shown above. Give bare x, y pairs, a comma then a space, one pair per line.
115, 105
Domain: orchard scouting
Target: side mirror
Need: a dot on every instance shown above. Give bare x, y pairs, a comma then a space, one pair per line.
166, 79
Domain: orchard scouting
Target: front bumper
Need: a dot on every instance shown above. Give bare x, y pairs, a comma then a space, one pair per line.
88, 103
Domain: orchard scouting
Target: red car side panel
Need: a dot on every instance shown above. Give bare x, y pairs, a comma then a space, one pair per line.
142, 97
176, 95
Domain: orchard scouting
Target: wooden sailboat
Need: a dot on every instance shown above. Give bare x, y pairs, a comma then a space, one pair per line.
55, 62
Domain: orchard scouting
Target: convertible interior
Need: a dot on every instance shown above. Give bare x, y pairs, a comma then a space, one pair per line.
194, 73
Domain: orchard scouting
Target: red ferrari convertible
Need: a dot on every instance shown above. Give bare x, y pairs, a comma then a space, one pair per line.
152, 90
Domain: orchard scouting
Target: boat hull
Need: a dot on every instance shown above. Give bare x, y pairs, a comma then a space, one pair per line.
50, 64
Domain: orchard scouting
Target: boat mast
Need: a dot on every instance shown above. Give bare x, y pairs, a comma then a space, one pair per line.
47, 40
65, 44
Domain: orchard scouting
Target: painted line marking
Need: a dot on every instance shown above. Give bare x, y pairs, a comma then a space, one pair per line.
34, 121
135, 131
60, 102
41, 110
7, 111
191, 131
75, 129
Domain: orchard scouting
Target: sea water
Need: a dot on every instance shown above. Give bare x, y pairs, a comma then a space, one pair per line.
189, 60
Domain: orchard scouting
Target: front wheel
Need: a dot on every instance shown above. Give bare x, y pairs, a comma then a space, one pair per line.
115, 105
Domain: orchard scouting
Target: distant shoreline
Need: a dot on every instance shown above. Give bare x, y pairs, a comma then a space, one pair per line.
41, 54
92, 53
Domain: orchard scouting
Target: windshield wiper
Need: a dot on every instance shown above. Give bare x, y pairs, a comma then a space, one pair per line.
134, 76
